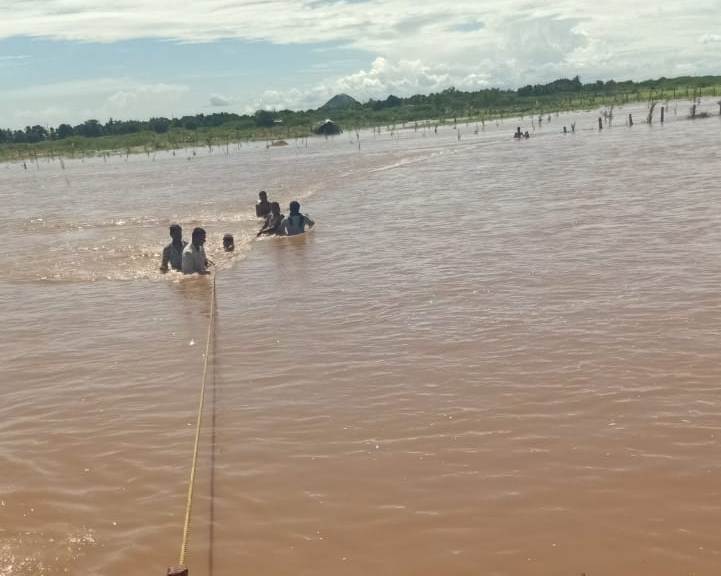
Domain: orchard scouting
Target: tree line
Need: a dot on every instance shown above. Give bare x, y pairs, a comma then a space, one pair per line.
95, 129
560, 94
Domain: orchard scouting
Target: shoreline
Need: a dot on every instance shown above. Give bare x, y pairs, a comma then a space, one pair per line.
223, 138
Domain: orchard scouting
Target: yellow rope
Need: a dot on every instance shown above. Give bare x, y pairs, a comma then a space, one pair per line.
194, 467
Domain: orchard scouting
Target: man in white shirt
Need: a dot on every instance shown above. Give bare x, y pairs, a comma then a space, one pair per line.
194, 260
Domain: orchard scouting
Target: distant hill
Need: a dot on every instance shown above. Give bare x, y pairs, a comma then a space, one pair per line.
340, 102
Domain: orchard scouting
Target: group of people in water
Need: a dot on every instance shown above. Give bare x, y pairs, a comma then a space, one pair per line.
276, 223
190, 258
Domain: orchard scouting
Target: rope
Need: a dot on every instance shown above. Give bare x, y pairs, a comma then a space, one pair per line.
194, 467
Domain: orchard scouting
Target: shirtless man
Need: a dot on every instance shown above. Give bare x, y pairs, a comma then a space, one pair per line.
262, 207
173, 252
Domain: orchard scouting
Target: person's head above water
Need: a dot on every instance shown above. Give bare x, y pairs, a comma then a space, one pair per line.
198, 237
228, 243
294, 207
275, 208
263, 196
176, 232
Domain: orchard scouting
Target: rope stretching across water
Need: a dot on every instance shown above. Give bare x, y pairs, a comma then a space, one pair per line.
198, 425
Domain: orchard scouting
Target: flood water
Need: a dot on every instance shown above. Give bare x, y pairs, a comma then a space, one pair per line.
488, 357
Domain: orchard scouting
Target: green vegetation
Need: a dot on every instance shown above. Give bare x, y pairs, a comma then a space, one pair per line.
220, 130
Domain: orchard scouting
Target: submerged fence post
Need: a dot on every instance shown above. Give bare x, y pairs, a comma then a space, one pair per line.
663, 112
693, 111
630, 120
600, 123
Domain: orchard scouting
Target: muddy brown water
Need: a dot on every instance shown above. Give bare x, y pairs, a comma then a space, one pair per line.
489, 357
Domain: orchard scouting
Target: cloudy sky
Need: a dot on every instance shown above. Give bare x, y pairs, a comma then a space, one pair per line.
70, 60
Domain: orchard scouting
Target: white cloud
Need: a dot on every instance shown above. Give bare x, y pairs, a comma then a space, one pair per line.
155, 99
711, 39
412, 45
383, 77
406, 77
12, 61
101, 98
219, 101
517, 35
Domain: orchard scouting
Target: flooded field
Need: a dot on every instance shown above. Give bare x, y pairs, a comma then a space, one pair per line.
489, 357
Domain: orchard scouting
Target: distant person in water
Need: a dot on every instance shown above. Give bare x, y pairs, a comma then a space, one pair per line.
526, 134
262, 207
228, 243
296, 222
194, 260
173, 252
273, 221
518, 133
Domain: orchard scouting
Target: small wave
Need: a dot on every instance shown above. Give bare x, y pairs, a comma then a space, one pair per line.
406, 162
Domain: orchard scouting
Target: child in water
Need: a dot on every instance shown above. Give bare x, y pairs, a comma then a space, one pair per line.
272, 221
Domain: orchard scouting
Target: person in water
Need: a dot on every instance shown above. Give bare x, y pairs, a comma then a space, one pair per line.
173, 252
262, 207
296, 222
272, 221
518, 133
228, 243
194, 260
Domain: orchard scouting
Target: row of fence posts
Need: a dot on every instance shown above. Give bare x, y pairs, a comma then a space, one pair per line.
692, 116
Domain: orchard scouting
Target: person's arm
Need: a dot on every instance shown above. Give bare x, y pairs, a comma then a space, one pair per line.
275, 228
309, 221
265, 229
166, 259
205, 261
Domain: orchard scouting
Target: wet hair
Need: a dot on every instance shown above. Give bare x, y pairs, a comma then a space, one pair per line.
198, 233
175, 228
262, 194
294, 207
228, 242
274, 206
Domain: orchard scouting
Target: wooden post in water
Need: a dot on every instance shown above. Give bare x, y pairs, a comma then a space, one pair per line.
600, 123
693, 111
177, 571
630, 120
663, 112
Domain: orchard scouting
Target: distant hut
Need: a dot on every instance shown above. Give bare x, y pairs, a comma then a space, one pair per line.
328, 128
